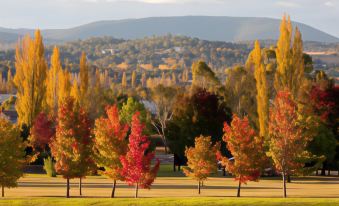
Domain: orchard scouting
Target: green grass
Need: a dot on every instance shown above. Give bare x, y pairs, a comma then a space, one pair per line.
170, 201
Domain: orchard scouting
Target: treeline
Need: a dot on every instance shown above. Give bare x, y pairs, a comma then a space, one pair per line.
270, 112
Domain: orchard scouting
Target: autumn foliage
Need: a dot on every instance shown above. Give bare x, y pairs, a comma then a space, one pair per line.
136, 164
201, 159
72, 144
246, 148
288, 141
42, 131
110, 143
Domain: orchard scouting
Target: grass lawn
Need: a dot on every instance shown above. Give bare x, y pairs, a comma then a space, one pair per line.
173, 188
170, 201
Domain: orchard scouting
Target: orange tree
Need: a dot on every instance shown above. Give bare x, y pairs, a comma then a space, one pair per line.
288, 137
201, 159
246, 148
110, 143
72, 145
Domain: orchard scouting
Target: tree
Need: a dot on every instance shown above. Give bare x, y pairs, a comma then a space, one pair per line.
290, 63
247, 151
136, 164
53, 82
30, 77
72, 145
162, 97
84, 80
288, 139
203, 75
129, 108
12, 155
110, 143
134, 79
196, 113
65, 85
75, 93
201, 159
241, 92
262, 89
42, 132
124, 80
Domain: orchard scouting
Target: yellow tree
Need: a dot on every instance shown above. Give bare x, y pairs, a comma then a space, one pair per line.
124, 80
9, 81
64, 85
134, 79
262, 89
290, 64
12, 155
201, 160
53, 82
84, 80
75, 93
30, 77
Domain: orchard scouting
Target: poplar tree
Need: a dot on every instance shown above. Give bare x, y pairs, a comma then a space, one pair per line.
53, 83
30, 77
290, 63
75, 93
84, 79
64, 85
124, 80
133, 79
262, 89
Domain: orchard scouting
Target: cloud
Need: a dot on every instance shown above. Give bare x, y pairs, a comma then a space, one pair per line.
287, 4
329, 4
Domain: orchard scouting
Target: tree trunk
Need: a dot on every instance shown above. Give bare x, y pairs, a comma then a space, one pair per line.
80, 186
67, 188
329, 172
239, 186
113, 189
224, 171
136, 190
199, 187
284, 184
316, 173
2, 191
289, 178
202, 183
179, 167
323, 169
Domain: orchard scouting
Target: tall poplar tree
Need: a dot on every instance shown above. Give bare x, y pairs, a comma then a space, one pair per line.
30, 77
84, 79
53, 82
262, 89
290, 63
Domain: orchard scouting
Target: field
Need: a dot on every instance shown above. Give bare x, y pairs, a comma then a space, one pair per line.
174, 189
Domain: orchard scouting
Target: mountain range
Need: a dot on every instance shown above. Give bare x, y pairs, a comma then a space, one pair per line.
214, 28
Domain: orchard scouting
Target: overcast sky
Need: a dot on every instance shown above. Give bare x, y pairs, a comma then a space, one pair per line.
321, 14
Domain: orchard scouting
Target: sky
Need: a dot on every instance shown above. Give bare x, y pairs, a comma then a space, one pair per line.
321, 14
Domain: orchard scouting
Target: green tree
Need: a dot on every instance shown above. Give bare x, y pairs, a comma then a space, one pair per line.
12, 155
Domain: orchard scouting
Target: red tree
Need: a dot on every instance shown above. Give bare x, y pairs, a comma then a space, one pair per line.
136, 164
72, 145
110, 143
288, 137
42, 132
247, 150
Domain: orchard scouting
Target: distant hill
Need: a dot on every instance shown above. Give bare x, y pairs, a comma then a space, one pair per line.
229, 29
